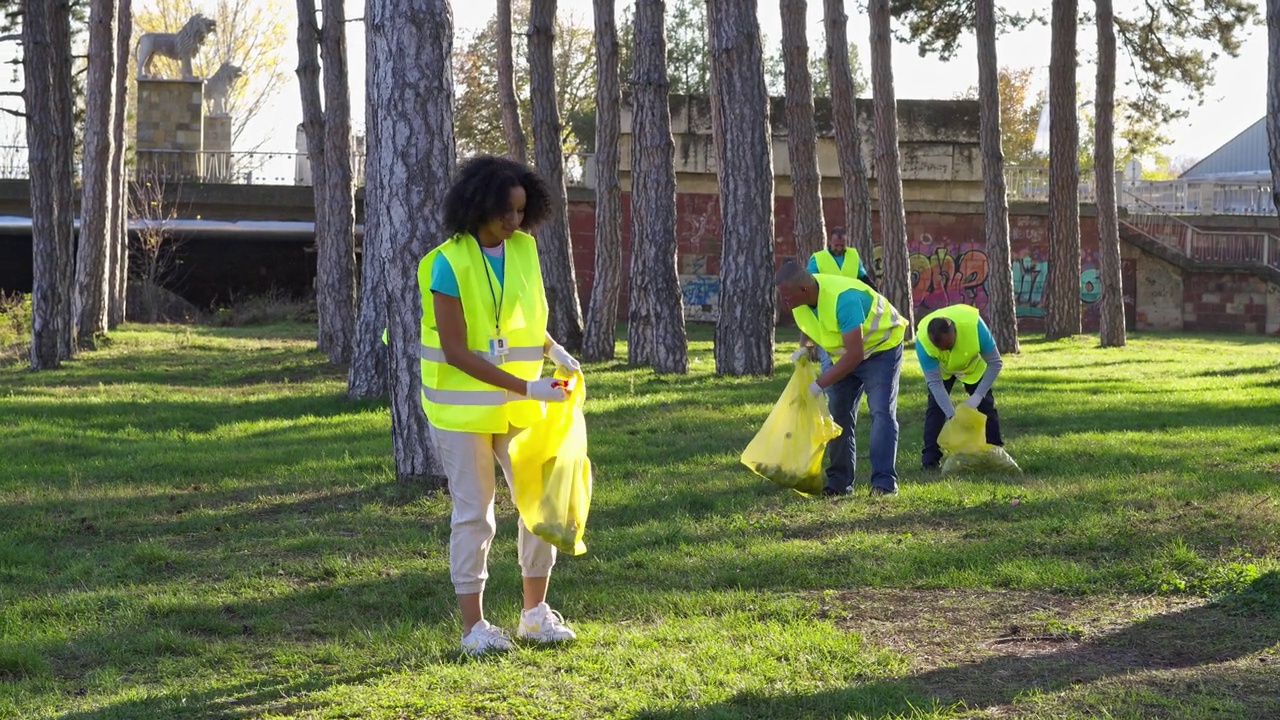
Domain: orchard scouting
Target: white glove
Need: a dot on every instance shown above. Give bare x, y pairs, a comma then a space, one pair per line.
974, 401
815, 389
795, 356
547, 389
563, 359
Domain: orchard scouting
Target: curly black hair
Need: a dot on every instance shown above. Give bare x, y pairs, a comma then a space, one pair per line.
481, 191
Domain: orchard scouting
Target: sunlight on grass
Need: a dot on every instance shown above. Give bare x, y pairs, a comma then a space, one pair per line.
195, 522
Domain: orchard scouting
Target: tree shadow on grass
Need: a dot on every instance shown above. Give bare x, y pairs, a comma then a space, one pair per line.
1196, 640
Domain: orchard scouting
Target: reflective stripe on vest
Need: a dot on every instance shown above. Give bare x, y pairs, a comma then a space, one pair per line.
827, 264
964, 360
883, 328
453, 399
528, 353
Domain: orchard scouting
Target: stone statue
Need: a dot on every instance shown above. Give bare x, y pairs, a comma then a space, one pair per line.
218, 87
180, 46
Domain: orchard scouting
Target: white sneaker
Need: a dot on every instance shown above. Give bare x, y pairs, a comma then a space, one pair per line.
486, 638
544, 625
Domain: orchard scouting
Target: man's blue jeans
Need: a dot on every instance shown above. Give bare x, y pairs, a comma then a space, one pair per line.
878, 376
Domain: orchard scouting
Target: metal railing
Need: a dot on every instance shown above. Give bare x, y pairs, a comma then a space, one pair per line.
1031, 184
1230, 247
1176, 197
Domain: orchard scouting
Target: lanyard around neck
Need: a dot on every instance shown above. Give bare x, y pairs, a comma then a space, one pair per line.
500, 294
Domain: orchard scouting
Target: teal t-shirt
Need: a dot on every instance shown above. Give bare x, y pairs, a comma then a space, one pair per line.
986, 344
445, 282
813, 265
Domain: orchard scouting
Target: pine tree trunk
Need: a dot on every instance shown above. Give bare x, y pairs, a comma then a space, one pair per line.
46, 39
367, 376
1062, 288
844, 115
336, 253
1001, 310
893, 217
118, 264
1273, 98
313, 128
1104, 163
92, 249
656, 333
744, 167
410, 162
802, 148
565, 321
517, 146
602, 313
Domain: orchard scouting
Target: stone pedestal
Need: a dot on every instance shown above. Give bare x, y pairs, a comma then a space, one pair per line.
218, 167
170, 128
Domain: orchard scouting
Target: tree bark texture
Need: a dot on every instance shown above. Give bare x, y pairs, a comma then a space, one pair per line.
367, 375
92, 248
740, 125
565, 321
118, 263
410, 163
1002, 309
656, 334
517, 146
46, 40
802, 149
336, 249
1104, 163
896, 286
844, 115
313, 128
1062, 288
1273, 96
602, 310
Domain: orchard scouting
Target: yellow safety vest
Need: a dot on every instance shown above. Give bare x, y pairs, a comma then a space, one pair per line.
827, 263
965, 359
453, 399
883, 329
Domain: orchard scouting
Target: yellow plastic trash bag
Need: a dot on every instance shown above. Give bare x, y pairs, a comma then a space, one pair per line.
788, 449
964, 441
552, 474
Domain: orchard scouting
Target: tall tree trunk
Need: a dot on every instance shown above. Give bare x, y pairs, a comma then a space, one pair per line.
92, 251
602, 312
565, 322
656, 333
517, 147
410, 162
844, 115
46, 39
1002, 310
313, 128
118, 280
893, 216
1062, 288
367, 376
336, 251
802, 147
1273, 97
740, 125
1104, 164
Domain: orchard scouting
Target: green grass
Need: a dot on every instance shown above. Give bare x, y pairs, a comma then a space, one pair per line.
196, 523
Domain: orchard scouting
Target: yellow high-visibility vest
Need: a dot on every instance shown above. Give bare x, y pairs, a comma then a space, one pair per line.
826, 263
883, 329
965, 359
454, 400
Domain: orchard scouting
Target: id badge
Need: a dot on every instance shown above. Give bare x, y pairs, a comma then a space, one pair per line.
498, 347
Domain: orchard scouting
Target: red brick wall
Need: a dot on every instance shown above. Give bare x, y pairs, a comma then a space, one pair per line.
948, 255
1224, 302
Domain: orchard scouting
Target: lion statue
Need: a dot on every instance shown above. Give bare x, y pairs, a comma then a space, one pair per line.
218, 87
181, 46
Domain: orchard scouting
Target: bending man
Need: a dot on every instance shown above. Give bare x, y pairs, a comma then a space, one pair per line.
954, 343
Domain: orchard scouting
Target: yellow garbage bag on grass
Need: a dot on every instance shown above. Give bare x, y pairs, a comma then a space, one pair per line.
964, 443
552, 474
788, 449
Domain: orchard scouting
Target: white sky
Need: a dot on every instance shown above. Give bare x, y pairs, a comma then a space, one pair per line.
1236, 101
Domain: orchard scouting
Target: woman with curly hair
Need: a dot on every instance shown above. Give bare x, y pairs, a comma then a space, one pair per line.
484, 336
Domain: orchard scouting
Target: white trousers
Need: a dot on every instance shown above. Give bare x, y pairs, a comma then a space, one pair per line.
468, 460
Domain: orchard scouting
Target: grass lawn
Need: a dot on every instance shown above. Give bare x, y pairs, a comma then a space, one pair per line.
195, 523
